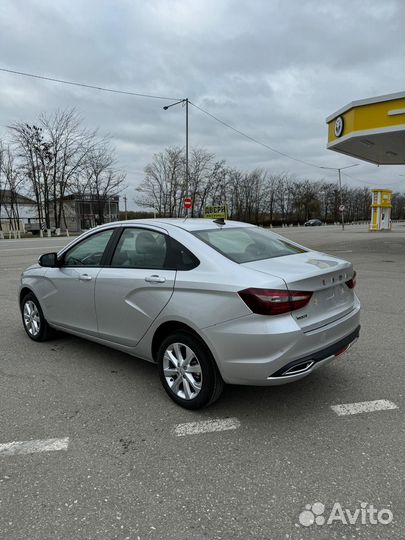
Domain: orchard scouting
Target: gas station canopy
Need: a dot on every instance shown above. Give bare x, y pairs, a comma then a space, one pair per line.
370, 129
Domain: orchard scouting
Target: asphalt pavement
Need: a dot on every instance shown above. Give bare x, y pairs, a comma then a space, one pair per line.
126, 463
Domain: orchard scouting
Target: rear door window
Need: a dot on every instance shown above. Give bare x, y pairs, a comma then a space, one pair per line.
140, 248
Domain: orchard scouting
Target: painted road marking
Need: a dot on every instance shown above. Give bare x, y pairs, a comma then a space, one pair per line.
25, 248
31, 447
206, 426
363, 406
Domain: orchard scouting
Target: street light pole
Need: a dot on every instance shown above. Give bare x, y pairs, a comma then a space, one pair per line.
186, 151
340, 187
342, 213
125, 205
323, 206
186, 102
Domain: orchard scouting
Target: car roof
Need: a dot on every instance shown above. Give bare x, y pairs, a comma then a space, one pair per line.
189, 224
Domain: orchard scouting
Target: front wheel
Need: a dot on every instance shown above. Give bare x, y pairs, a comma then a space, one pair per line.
188, 372
33, 319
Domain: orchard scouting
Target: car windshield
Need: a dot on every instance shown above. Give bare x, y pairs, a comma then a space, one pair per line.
247, 244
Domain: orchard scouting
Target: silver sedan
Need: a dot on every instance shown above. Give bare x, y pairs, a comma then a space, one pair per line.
210, 302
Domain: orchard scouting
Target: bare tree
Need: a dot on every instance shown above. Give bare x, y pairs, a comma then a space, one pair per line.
12, 182
68, 145
34, 158
59, 156
100, 178
164, 190
2, 192
398, 206
163, 186
51, 155
258, 196
214, 190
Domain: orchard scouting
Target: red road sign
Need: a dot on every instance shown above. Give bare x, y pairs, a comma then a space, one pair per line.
187, 202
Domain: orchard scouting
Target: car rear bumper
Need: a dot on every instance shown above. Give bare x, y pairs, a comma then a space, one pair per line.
297, 369
257, 350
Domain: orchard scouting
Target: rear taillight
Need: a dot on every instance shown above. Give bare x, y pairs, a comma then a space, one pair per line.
273, 302
352, 282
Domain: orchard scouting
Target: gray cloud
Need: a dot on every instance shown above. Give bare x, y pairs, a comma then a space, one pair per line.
273, 69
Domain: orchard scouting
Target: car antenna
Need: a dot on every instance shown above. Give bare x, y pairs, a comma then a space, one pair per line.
220, 221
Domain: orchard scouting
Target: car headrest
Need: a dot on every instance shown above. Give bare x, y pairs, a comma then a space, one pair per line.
145, 243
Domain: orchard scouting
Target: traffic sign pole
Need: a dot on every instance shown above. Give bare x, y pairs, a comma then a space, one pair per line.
339, 128
341, 202
188, 203
342, 212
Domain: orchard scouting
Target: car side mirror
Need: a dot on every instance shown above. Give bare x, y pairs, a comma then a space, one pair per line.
49, 260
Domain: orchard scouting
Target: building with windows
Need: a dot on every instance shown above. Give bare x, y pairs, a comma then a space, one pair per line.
82, 211
79, 212
17, 212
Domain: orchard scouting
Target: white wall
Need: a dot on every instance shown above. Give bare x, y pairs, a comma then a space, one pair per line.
25, 212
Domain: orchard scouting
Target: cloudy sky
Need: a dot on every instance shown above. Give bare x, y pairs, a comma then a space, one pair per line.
274, 69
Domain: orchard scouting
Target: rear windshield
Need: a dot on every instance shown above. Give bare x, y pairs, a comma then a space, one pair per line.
247, 244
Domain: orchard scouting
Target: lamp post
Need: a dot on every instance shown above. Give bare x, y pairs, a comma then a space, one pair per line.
186, 101
125, 203
323, 205
109, 209
340, 188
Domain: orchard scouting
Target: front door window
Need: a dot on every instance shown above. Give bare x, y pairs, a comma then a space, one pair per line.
89, 252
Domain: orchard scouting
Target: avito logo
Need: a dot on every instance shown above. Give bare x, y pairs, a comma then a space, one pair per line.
366, 514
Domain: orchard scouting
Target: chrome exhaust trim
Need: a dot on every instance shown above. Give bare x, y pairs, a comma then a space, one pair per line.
298, 368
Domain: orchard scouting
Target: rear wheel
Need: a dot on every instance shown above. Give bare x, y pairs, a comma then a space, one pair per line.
33, 319
188, 372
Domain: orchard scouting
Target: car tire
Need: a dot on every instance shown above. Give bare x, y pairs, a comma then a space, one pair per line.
195, 381
33, 319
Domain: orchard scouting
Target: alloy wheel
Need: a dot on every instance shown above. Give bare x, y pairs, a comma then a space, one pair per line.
32, 320
182, 371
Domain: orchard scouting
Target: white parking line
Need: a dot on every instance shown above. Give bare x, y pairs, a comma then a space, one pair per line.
363, 406
31, 447
206, 426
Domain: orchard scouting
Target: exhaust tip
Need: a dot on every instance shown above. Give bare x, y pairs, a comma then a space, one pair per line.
298, 368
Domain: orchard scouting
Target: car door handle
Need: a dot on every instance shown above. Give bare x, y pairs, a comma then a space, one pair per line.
155, 279
85, 277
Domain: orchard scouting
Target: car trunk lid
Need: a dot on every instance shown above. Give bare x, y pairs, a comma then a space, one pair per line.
323, 275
